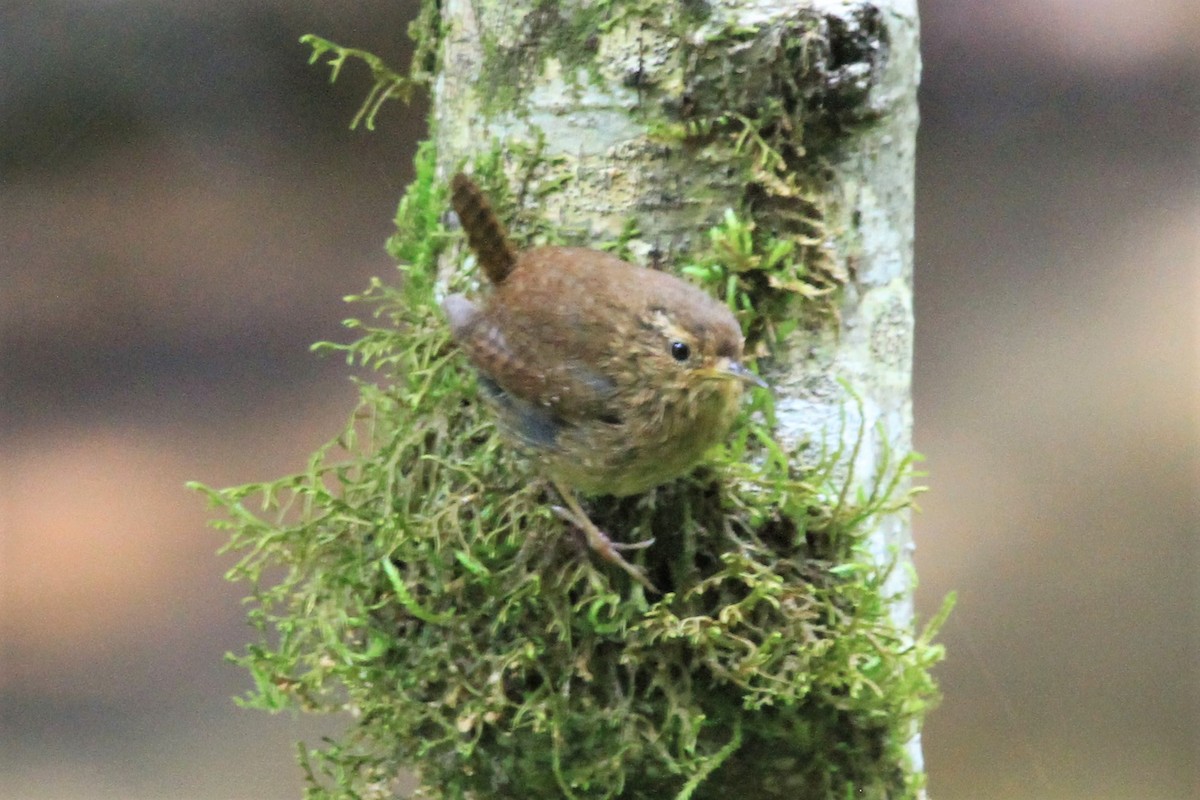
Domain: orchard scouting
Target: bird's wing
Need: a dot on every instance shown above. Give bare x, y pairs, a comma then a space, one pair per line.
537, 371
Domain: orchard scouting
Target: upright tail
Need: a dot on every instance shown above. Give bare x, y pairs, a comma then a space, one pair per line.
485, 234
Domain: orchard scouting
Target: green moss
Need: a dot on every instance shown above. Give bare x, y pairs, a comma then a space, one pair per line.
388, 84
765, 279
516, 176
772, 109
776, 244
414, 576
565, 32
426, 32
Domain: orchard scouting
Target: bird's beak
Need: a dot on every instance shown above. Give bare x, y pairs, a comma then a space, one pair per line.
737, 369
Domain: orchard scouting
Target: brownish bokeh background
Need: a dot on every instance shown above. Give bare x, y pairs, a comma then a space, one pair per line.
182, 207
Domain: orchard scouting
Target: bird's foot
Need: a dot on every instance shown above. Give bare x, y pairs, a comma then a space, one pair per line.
598, 540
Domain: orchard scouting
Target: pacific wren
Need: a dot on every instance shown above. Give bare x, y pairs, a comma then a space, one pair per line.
615, 377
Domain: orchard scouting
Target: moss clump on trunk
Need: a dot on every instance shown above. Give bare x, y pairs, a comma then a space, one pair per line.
428, 590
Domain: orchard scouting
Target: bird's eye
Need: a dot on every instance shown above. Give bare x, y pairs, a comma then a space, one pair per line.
680, 351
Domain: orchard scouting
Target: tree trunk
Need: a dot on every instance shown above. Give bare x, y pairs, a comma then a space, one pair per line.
646, 124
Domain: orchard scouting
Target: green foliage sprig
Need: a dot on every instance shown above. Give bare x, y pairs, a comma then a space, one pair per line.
761, 278
388, 84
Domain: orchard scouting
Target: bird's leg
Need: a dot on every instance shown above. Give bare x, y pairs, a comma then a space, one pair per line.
598, 540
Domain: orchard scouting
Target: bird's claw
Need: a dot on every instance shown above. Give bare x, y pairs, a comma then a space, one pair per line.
606, 547
642, 545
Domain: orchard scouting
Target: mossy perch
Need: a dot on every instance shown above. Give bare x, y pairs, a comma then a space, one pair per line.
427, 589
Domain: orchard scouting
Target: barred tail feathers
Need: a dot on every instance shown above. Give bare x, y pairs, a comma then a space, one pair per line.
485, 234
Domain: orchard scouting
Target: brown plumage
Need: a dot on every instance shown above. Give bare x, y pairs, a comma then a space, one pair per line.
486, 235
615, 377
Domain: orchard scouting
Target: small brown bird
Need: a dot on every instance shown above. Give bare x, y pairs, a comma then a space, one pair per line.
615, 377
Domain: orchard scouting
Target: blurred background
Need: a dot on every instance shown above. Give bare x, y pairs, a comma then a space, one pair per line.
182, 208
